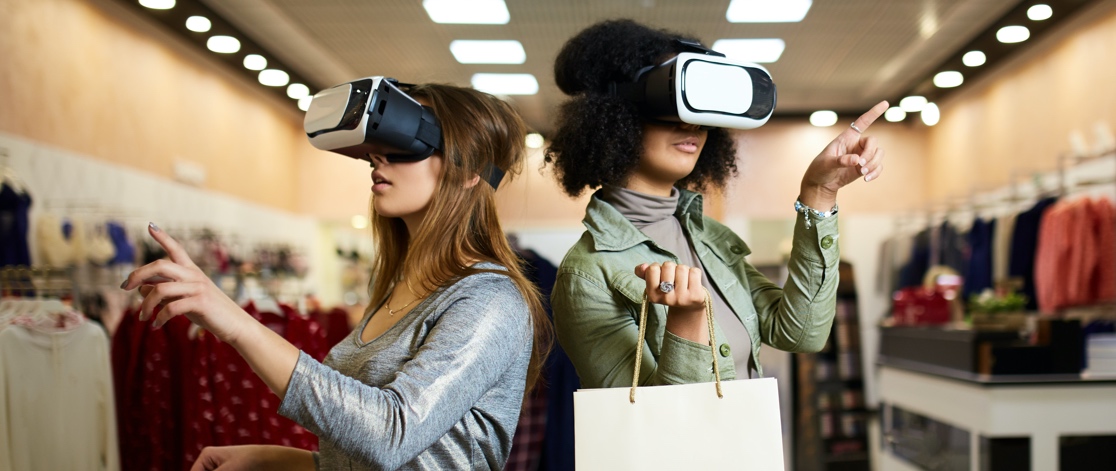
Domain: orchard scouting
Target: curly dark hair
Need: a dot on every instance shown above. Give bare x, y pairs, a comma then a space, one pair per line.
600, 136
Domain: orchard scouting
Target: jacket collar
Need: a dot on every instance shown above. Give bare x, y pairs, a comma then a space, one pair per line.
612, 232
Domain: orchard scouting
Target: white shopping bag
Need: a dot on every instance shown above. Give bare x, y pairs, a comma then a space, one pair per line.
704, 426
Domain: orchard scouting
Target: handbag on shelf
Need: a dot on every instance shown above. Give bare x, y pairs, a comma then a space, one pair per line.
701, 426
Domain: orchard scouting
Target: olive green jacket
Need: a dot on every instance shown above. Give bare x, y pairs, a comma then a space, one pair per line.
596, 298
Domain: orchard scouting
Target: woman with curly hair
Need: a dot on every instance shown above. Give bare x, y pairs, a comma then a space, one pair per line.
647, 235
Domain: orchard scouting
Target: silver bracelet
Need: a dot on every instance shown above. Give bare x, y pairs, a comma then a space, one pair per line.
808, 213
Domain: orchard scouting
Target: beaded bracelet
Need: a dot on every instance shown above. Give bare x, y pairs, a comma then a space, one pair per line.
808, 211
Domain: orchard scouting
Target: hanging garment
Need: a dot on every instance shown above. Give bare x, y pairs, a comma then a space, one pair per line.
14, 210
99, 248
53, 247
978, 274
124, 251
1104, 283
56, 400
1001, 247
1024, 242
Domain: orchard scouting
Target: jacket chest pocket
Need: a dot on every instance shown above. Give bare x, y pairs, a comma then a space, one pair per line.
631, 289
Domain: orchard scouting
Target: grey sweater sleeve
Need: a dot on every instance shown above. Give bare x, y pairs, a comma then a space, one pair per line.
469, 347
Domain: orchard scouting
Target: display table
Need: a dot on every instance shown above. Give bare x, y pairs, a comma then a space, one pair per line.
941, 418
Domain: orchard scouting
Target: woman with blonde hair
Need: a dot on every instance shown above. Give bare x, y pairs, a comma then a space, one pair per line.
434, 375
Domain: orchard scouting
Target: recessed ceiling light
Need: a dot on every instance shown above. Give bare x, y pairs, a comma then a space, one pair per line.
223, 44
948, 79
506, 84
1013, 34
912, 104
359, 221
255, 62
482, 12
751, 50
274, 77
895, 114
488, 52
304, 103
298, 91
823, 118
931, 114
766, 11
157, 4
535, 140
1040, 12
198, 24
973, 59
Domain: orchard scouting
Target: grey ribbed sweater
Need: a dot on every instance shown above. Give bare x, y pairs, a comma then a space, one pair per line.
441, 389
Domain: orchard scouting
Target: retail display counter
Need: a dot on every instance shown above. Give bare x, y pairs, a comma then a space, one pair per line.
936, 417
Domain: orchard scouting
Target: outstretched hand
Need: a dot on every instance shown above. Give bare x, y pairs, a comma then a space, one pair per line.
177, 287
850, 155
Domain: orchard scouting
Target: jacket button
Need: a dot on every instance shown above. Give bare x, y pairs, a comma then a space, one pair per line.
827, 242
725, 350
736, 249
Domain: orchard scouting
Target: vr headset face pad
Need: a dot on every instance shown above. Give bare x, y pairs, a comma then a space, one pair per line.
372, 116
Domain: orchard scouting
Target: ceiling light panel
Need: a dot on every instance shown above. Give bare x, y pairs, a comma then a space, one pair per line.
1013, 34
767, 11
157, 4
823, 118
481, 12
948, 79
255, 62
223, 44
974, 59
298, 91
198, 24
751, 50
274, 77
1040, 12
912, 104
895, 114
506, 84
930, 114
488, 52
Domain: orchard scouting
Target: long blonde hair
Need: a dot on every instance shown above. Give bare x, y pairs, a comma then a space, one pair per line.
461, 224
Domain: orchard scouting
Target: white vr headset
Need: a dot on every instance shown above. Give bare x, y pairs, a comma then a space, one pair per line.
374, 116
703, 88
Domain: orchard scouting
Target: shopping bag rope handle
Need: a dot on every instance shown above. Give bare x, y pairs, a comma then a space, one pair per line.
643, 332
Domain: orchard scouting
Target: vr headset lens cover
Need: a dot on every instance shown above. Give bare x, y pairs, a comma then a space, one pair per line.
704, 89
374, 116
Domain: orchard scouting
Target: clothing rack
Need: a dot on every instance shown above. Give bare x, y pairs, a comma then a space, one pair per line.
38, 281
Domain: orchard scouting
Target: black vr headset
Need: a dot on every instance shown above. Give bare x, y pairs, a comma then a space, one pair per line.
703, 87
374, 116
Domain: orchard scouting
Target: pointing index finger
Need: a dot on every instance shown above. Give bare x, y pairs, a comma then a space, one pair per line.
174, 250
870, 117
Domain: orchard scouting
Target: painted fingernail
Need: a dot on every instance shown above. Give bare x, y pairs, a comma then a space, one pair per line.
864, 170
868, 178
124, 284
153, 226
863, 162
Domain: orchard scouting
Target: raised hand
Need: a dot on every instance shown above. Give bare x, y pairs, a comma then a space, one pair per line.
180, 288
850, 155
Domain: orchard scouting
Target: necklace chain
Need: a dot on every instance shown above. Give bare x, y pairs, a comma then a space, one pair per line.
391, 312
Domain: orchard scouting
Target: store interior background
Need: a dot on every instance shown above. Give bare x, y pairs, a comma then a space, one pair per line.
104, 113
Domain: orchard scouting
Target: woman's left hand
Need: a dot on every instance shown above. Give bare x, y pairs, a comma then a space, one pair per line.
848, 157
180, 288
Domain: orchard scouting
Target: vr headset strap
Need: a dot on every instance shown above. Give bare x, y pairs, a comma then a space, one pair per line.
429, 131
492, 174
